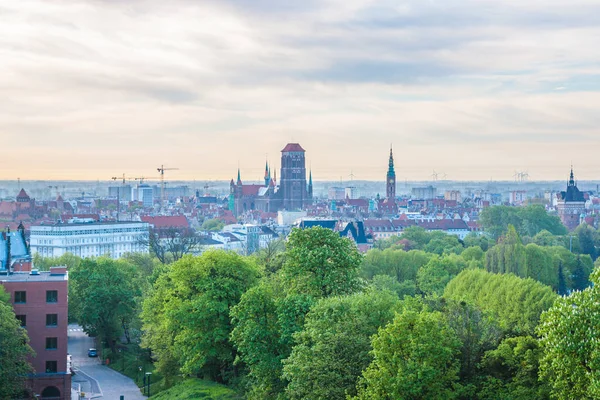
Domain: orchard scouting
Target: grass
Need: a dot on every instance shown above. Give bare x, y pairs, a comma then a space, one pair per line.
194, 388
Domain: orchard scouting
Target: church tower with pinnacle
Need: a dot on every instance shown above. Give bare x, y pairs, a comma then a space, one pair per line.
390, 178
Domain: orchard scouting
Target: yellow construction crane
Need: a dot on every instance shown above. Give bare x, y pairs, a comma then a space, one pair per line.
162, 170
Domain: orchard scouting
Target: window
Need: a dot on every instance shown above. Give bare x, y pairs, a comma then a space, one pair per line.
51, 343
23, 320
51, 296
51, 319
51, 367
20, 297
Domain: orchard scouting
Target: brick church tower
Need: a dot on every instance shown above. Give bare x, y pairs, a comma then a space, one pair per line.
292, 182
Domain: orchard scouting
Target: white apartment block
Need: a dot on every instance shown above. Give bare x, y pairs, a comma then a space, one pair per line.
89, 239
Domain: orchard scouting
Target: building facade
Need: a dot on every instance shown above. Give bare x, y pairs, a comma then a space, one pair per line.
39, 300
292, 193
90, 239
571, 204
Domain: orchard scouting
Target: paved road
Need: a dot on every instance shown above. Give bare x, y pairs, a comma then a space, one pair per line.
93, 377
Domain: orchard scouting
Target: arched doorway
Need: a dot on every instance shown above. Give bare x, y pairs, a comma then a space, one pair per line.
51, 393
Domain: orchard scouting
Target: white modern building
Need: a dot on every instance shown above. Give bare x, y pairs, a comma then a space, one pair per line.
89, 239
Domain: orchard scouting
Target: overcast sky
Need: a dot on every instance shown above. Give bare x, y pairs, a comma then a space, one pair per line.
475, 89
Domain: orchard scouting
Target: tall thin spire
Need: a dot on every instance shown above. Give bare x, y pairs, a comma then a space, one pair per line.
239, 178
391, 162
571, 177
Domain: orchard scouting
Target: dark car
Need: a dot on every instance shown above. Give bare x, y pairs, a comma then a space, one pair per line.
92, 353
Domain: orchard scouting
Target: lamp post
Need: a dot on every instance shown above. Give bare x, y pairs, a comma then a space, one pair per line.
148, 375
137, 377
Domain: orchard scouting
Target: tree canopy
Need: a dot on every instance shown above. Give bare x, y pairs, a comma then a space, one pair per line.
14, 351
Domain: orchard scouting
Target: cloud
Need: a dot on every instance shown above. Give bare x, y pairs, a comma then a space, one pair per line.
91, 87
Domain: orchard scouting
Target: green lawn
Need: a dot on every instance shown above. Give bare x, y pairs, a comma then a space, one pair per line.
193, 388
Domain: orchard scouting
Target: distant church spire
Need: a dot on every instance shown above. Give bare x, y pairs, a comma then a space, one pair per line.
267, 174
571, 178
390, 178
391, 162
310, 185
239, 179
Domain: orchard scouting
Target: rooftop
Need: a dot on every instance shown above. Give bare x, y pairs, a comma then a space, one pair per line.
94, 223
43, 276
292, 147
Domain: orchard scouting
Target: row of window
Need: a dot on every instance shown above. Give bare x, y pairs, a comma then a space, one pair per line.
51, 320
85, 232
21, 296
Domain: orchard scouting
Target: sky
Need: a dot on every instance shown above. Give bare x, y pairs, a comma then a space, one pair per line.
473, 89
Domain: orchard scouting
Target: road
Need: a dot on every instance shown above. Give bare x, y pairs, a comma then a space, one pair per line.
96, 380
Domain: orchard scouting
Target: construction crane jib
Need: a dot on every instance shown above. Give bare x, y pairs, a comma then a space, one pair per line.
162, 170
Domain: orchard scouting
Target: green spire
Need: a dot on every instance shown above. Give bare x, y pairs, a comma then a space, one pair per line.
391, 163
239, 179
310, 178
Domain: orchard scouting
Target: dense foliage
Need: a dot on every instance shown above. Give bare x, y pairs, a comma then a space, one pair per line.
423, 315
14, 350
515, 303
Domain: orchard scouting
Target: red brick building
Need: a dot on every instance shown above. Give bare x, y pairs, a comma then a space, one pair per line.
40, 303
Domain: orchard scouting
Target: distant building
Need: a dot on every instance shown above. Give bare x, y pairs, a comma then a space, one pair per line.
517, 197
571, 204
39, 300
390, 179
292, 193
89, 239
336, 193
424, 193
453, 195
351, 193
122, 192
145, 194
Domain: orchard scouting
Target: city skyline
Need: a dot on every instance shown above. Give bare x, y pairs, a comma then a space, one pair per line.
474, 90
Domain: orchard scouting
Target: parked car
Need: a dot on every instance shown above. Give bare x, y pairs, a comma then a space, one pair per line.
92, 353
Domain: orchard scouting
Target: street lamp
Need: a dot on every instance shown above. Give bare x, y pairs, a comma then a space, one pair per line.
148, 375
137, 377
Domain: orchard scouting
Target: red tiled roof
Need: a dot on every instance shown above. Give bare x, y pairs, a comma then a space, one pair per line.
444, 224
251, 190
358, 202
292, 147
174, 221
22, 194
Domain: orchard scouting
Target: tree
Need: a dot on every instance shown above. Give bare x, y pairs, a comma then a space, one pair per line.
545, 238
202, 290
401, 289
528, 221
508, 256
568, 331
103, 296
257, 336
320, 263
213, 225
333, 348
399, 264
511, 371
585, 236
580, 275
540, 265
44, 263
562, 284
14, 351
414, 357
515, 303
170, 244
272, 257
